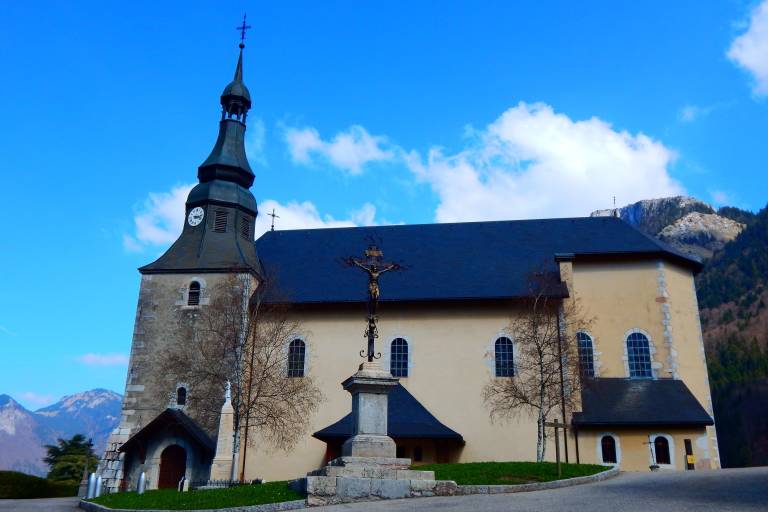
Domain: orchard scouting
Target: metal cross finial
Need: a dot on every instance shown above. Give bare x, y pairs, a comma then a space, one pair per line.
274, 216
242, 28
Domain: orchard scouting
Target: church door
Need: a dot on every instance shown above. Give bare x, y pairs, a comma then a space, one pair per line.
173, 465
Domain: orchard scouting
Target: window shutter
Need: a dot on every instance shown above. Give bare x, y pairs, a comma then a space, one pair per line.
220, 221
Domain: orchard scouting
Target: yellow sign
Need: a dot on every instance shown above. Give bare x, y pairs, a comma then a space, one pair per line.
691, 459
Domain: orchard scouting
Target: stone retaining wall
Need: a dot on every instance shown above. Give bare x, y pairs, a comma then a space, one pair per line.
268, 507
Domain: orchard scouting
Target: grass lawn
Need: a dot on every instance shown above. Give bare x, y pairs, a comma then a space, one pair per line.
18, 486
507, 473
171, 499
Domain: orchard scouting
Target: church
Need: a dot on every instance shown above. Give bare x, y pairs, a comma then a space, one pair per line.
443, 332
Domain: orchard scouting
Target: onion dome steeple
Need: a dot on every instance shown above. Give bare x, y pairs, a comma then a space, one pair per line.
221, 212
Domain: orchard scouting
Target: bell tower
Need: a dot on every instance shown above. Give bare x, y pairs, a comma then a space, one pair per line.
216, 243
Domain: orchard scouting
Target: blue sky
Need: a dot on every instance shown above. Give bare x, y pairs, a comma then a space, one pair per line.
363, 113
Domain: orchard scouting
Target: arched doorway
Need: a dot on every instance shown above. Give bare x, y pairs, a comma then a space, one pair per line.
173, 465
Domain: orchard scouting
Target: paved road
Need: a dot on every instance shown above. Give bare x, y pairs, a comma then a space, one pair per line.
700, 491
47, 505
703, 491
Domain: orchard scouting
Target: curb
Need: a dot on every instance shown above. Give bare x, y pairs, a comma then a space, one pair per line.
465, 490
267, 507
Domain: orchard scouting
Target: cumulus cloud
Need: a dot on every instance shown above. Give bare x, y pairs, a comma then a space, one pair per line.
36, 399
534, 162
113, 359
159, 220
350, 150
749, 50
304, 215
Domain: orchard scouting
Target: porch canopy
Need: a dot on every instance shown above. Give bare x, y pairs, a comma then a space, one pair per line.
170, 422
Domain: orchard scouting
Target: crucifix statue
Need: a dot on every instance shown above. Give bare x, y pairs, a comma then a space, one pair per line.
373, 265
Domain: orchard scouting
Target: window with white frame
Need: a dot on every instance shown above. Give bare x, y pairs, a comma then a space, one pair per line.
662, 450
504, 357
296, 358
398, 358
193, 294
586, 354
639, 356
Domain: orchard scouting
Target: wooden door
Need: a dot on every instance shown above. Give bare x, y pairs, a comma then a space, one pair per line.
173, 465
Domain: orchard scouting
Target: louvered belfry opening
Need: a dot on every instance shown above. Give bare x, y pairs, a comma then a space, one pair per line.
193, 298
245, 227
220, 218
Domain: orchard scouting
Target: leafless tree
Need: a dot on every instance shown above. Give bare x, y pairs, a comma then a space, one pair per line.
546, 376
241, 339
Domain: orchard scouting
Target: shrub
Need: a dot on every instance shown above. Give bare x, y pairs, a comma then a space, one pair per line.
17, 485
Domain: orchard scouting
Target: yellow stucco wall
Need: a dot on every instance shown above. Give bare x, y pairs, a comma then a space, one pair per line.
451, 357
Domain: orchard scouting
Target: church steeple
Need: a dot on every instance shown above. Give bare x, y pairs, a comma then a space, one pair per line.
221, 212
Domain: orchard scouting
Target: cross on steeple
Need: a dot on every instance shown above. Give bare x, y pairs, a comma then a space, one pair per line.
242, 29
274, 216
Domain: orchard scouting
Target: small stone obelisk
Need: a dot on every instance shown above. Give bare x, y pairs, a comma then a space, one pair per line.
221, 468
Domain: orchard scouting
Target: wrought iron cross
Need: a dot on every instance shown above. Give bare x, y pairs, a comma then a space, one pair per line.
242, 29
373, 265
274, 216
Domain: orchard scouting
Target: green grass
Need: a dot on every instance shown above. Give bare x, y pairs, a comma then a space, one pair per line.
15, 485
171, 499
507, 473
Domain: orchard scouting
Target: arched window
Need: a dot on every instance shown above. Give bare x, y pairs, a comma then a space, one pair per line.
661, 450
639, 355
181, 396
398, 358
505, 361
296, 354
608, 449
193, 297
586, 354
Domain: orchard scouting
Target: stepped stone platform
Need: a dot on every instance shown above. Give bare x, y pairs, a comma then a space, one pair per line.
350, 479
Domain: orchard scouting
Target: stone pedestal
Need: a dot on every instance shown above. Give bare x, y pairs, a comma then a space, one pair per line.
369, 388
221, 468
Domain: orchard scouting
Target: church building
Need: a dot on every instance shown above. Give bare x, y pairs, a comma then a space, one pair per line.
443, 332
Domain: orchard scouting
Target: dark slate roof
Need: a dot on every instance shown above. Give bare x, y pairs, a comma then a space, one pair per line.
406, 418
629, 402
473, 260
168, 421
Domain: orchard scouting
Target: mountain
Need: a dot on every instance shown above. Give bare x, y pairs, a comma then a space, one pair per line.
23, 433
685, 223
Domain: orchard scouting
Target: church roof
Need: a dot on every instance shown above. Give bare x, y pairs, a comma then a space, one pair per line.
169, 422
406, 418
640, 402
461, 261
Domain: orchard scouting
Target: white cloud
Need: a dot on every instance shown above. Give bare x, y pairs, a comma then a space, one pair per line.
691, 113
160, 219
255, 137
92, 359
36, 399
750, 50
304, 215
533, 162
350, 150
720, 197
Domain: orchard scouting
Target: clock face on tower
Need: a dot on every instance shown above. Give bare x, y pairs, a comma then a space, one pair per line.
195, 216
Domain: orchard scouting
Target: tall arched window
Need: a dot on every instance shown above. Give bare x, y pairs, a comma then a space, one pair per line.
586, 354
193, 297
608, 449
505, 360
661, 450
639, 355
398, 358
181, 396
296, 354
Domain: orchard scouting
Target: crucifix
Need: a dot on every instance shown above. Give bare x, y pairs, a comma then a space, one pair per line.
373, 265
274, 216
242, 29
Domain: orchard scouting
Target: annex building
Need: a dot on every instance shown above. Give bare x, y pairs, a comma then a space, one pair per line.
443, 331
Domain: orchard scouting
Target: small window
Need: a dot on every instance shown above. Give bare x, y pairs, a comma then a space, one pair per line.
586, 355
505, 362
398, 360
608, 449
417, 454
220, 221
296, 353
639, 356
661, 450
193, 297
181, 396
245, 227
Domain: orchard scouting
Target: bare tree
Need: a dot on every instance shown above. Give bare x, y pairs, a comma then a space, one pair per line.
546, 374
238, 338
